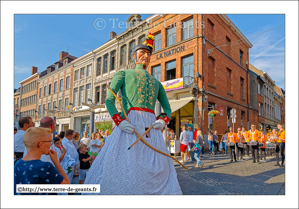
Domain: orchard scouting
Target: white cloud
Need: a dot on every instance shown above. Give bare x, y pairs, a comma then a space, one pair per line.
21, 70
268, 55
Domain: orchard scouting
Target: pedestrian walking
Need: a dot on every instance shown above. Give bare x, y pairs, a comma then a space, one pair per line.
223, 142
263, 140
216, 142
198, 146
210, 140
184, 139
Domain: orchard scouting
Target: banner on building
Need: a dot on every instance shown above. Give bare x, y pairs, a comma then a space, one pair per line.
173, 84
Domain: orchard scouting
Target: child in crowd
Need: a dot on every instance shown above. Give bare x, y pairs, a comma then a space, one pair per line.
30, 169
95, 145
84, 162
59, 149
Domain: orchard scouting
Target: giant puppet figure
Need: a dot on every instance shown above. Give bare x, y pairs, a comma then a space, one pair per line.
139, 170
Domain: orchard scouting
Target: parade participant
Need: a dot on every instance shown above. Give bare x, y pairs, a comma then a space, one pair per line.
254, 135
241, 139
281, 139
30, 169
269, 140
142, 169
245, 143
263, 140
232, 137
19, 146
275, 140
184, 139
71, 150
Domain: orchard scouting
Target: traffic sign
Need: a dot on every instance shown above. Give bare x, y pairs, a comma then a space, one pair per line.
233, 120
233, 116
233, 111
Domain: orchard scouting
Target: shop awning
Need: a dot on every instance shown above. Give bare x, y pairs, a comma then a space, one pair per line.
177, 104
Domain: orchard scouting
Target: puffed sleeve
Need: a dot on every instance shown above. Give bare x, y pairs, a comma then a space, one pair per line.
162, 98
116, 83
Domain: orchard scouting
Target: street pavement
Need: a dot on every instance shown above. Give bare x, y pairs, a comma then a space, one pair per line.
221, 177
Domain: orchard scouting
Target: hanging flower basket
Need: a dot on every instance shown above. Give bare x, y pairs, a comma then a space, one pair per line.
213, 113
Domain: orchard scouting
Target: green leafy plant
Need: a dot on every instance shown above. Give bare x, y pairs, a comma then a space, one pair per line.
105, 125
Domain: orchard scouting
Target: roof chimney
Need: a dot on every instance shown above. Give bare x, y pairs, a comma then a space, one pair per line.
112, 35
62, 55
34, 70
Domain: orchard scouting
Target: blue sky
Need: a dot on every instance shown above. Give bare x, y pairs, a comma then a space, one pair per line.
40, 38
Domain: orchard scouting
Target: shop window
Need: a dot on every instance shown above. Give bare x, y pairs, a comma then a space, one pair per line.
157, 72
188, 71
55, 86
131, 50
170, 70
123, 55
157, 42
228, 80
171, 36
187, 29
76, 75
141, 39
99, 66
113, 54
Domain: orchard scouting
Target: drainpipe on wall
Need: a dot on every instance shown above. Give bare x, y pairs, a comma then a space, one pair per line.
247, 71
202, 62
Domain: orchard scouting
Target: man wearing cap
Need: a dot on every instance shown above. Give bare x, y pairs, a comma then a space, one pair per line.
140, 170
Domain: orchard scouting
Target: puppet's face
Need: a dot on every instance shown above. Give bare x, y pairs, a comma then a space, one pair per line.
143, 57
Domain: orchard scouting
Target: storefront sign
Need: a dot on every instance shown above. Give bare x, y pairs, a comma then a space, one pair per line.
173, 84
80, 108
221, 111
170, 52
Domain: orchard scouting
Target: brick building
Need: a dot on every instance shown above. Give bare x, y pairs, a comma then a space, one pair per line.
28, 95
198, 55
55, 91
16, 106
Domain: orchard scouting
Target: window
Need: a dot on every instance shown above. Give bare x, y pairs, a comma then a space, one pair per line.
105, 68
228, 80
261, 111
228, 47
241, 56
171, 36
157, 72
82, 72
242, 118
45, 91
88, 93
112, 66
242, 87
88, 70
210, 30
55, 86
66, 103
40, 92
170, 70
67, 82
65, 62
131, 49
60, 105
98, 95
50, 88
75, 97
57, 66
44, 109
54, 105
260, 89
49, 106
61, 85
99, 66
157, 42
76, 75
211, 70
187, 71
123, 55
81, 98
141, 39
104, 94
187, 29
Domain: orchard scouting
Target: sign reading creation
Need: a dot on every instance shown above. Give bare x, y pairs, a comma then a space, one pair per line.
173, 84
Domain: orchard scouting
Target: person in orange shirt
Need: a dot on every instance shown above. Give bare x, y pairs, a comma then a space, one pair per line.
244, 133
254, 135
263, 140
281, 139
241, 139
232, 137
